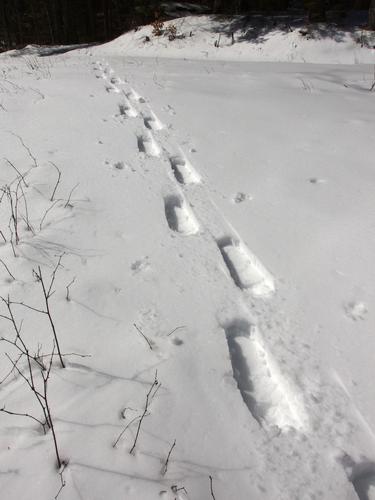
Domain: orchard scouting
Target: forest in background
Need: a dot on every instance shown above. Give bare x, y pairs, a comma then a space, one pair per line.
86, 21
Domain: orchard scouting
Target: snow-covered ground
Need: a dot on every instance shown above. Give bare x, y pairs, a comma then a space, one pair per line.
218, 221
236, 38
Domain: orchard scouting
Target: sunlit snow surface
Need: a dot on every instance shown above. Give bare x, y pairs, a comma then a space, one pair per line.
218, 218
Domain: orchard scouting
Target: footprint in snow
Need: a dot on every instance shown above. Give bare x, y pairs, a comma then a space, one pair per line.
152, 122
116, 79
362, 477
240, 197
271, 399
140, 265
245, 269
316, 180
119, 165
179, 215
133, 94
355, 310
148, 145
169, 109
127, 110
183, 170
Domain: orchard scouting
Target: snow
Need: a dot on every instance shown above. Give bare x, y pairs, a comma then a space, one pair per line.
216, 224
198, 37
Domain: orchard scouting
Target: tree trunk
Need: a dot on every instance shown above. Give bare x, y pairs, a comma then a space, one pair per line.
90, 21
50, 25
106, 19
6, 25
316, 10
20, 38
371, 15
216, 6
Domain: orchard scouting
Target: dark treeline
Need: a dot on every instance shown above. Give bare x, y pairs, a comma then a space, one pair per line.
84, 21
70, 21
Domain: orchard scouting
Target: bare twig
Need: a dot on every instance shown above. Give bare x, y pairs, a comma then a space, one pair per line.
57, 182
62, 480
212, 489
176, 489
11, 242
47, 294
46, 213
125, 429
175, 329
143, 335
67, 297
16, 414
45, 375
11, 370
67, 204
165, 466
65, 354
7, 268
149, 398
41, 395
27, 148
18, 172
13, 204
26, 217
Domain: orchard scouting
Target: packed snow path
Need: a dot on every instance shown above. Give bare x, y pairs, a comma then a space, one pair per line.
229, 219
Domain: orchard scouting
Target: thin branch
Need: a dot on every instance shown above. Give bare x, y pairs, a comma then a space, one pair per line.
47, 295
124, 430
7, 268
45, 377
29, 307
22, 176
67, 204
62, 480
212, 489
30, 383
26, 217
46, 213
3, 410
24, 351
143, 335
53, 275
175, 329
11, 371
57, 182
148, 397
13, 214
67, 297
11, 240
165, 467
27, 148
176, 489
64, 354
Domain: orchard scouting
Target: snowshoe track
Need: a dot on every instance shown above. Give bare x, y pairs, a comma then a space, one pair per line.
245, 268
179, 215
269, 398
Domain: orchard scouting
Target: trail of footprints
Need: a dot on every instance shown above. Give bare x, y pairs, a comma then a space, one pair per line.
271, 399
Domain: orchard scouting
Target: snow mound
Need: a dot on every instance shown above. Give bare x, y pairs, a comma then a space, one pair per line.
236, 38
